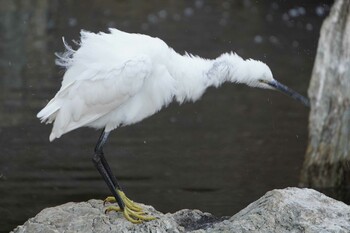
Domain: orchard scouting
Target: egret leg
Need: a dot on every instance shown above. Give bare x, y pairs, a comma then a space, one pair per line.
101, 169
99, 149
131, 210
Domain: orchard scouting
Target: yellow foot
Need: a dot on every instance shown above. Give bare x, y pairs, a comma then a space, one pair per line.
132, 211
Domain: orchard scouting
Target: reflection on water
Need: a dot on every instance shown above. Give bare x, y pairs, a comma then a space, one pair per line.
218, 154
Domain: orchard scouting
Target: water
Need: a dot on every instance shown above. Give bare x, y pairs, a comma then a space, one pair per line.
218, 154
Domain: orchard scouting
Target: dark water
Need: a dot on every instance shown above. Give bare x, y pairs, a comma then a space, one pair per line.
218, 154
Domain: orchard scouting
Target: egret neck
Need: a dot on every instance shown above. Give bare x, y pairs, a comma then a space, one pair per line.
193, 74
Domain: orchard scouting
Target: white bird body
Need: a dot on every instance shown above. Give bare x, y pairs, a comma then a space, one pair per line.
120, 78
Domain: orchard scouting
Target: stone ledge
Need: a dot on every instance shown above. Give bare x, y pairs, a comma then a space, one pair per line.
284, 210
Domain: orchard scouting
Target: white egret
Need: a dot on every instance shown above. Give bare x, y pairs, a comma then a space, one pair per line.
117, 79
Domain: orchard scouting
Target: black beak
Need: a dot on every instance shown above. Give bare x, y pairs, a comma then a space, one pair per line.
286, 90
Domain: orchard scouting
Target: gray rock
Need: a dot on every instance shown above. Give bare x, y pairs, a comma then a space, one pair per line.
328, 154
286, 210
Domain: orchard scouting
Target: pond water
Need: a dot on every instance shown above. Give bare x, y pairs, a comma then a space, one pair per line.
217, 155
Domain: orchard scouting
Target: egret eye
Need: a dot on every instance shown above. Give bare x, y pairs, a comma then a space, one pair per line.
263, 81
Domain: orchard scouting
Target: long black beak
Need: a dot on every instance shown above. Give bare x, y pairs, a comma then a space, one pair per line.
286, 90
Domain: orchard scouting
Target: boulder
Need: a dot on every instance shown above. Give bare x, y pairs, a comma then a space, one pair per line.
284, 210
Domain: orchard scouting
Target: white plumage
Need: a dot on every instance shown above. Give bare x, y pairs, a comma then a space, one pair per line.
120, 78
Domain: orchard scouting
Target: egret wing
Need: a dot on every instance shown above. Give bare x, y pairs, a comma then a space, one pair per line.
94, 93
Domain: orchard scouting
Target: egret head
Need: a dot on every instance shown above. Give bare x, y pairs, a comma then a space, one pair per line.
250, 72
261, 76
258, 74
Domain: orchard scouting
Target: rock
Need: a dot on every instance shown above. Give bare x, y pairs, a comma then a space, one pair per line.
328, 154
286, 210
290, 210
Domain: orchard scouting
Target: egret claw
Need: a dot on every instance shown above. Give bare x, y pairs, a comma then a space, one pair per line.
132, 205
129, 218
109, 199
112, 208
132, 211
137, 216
130, 215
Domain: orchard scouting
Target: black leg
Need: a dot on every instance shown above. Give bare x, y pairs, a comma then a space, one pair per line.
109, 172
99, 149
104, 169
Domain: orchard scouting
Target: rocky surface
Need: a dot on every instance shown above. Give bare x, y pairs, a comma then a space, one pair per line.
328, 154
286, 210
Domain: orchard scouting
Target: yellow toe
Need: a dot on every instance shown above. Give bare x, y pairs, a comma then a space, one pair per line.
132, 211
112, 208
